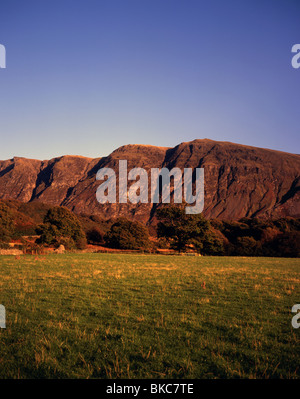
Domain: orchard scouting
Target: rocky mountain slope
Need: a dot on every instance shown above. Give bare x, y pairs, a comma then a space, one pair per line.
239, 180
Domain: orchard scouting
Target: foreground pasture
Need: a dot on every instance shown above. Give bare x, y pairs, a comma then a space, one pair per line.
148, 316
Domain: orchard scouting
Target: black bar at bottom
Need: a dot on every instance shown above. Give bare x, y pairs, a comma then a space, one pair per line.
156, 388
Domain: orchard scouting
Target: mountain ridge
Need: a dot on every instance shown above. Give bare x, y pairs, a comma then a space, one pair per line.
240, 180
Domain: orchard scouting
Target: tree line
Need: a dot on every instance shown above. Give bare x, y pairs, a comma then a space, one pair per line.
174, 230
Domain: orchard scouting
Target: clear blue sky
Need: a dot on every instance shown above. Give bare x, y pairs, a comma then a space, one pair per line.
85, 77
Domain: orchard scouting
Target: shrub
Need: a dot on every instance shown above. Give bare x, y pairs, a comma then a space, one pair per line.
95, 236
4, 245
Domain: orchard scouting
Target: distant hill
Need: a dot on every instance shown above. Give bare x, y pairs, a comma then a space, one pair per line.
240, 181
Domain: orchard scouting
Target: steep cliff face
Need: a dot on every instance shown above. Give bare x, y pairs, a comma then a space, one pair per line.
83, 198
18, 178
57, 178
239, 180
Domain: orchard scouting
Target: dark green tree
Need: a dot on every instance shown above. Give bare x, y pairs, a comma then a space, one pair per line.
246, 246
125, 234
7, 226
182, 229
212, 244
287, 244
61, 226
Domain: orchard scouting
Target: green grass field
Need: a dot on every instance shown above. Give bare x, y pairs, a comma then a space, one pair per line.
148, 316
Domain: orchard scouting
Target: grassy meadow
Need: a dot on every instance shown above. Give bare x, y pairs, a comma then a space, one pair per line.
148, 316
